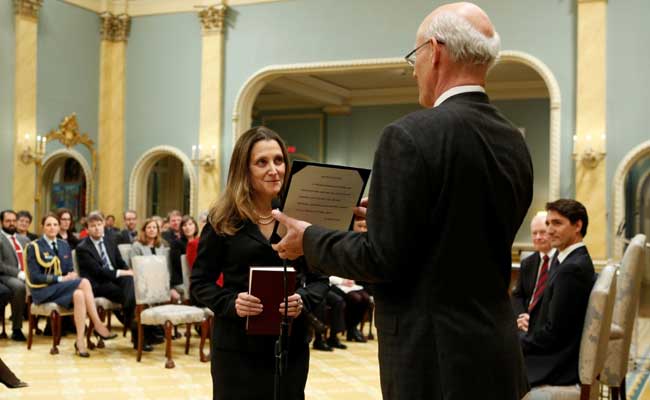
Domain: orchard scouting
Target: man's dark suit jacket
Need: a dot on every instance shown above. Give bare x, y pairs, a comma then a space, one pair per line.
124, 237
552, 345
523, 291
450, 188
90, 262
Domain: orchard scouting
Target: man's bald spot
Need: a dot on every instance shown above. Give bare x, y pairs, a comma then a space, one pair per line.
469, 11
539, 220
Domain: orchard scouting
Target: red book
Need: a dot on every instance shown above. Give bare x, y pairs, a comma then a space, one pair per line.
266, 283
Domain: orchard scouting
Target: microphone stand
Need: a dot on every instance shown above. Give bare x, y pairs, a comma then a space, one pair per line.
281, 345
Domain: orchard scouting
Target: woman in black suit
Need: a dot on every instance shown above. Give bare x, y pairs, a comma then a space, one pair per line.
238, 236
178, 247
66, 231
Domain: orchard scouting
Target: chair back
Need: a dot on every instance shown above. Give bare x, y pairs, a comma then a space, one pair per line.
75, 263
598, 320
185, 268
151, 279
125, 252
628, 292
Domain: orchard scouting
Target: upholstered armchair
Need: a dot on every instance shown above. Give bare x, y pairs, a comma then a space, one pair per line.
625, 310
206, 325
126, 252
593, 347
49, 310
151, 279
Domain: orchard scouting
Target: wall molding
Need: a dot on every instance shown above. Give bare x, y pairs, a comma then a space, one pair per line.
248, 93
618, 203
45, 184
140, 174
154, 7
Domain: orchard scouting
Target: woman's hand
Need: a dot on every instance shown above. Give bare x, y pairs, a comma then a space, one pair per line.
175, 296
247, 305
70, 276
295, 306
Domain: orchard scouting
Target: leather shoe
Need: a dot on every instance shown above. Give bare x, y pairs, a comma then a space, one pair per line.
17, 335
322, 346
355, 336
9, 379
83, 354
336, 343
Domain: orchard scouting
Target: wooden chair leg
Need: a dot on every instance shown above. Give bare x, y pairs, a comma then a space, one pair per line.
168, 345
54, 321
30, 333
3, 335
205, 327
107, 314
613, 393
140, 340
188, 335
585, 391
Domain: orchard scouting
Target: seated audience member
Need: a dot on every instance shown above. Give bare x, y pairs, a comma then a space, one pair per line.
8, 378
557, 310
336, 322
51, 278
12, 270
101, 263
23, 221
172, 231
130, 232
357, 301
177, 248
84, 227
202, 220
66, 231
109, 226
531, 269
150, 243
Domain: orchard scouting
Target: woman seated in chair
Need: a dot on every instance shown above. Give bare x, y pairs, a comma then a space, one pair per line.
149, 243
189, 231
51, 279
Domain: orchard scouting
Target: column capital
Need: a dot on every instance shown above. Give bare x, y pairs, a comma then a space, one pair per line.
27, 8
592, 1
115, 28
213, 18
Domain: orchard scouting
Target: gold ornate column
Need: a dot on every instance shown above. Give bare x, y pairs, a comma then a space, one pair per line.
210, 130
24, 173
590, 139
114, 31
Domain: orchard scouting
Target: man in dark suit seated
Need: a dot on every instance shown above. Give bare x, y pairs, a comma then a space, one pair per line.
460, 172
529, 271
557, 311
174, 232
101, 263
12, 270
130, 231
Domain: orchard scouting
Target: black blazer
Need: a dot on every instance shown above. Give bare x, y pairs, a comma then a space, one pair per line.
232, 256
450, 187
177, 248
552, 345
523, 291
90, 263
125, 236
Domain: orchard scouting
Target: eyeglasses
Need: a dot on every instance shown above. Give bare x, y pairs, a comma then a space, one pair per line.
410, 57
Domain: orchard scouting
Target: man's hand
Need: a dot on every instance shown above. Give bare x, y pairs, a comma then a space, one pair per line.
360, 216
290, 247
295, 306
522, 322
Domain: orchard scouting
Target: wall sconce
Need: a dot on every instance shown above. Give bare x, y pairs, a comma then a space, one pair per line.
34, 154
589, 157
206, 161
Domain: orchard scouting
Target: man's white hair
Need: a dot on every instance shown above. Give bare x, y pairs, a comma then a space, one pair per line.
465, 44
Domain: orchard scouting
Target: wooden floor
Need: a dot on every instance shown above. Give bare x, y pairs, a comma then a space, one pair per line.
113, 373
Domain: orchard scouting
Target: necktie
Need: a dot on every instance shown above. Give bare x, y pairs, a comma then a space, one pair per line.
19, 252
56, 250
102, 255
541, 284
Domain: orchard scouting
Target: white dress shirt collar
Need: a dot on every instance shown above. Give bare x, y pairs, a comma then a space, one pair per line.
458, 90
565, 253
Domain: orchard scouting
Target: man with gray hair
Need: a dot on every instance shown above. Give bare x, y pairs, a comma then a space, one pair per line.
461, 173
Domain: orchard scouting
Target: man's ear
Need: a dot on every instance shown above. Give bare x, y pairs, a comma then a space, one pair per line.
578, 225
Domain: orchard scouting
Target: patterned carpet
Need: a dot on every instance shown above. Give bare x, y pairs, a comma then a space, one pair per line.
113, 373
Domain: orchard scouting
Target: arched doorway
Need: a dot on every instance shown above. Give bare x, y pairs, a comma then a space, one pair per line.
65, 182
162, 180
